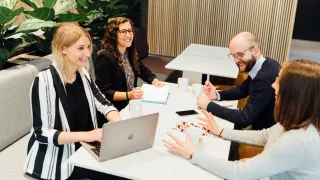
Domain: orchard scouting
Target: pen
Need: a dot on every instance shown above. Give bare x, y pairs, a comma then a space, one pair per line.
131, 87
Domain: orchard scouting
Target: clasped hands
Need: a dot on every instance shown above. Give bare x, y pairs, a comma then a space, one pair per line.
209, 94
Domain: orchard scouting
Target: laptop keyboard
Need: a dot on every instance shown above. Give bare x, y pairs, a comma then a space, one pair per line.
97, 146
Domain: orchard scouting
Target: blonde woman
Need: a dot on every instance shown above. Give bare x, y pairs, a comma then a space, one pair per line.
64, 100
291, 147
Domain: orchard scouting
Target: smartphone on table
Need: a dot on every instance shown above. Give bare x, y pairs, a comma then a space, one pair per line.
187, 112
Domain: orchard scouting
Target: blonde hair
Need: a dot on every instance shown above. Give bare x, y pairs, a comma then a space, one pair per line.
66, 35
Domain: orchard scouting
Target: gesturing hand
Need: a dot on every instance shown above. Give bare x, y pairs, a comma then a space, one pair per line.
210, 91
181, 148
209, 123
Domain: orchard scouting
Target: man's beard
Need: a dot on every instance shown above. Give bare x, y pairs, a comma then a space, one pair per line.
250, 63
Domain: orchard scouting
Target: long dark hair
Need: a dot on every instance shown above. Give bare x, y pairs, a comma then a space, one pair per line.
298, 102
110, 41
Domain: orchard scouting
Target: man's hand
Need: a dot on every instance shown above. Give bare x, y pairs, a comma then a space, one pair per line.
203, 101
210, 91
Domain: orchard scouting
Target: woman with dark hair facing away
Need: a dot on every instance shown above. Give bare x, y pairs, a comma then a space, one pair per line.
291, 147
118, 65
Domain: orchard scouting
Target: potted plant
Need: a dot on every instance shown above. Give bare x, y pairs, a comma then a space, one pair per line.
45, 18
10, 40
99, 11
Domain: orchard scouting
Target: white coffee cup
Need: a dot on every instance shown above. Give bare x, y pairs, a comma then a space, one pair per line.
195, 134
197, 89
183, 84
135, 108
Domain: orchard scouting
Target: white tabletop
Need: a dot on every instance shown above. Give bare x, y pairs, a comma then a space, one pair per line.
205, 59
205, 65
220, 53
156, 162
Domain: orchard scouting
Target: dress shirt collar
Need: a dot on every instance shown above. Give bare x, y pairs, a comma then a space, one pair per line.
256, 68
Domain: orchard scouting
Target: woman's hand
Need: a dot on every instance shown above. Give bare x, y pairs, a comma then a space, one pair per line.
90, 136
181, 148
157, 83
209, 123
136, 93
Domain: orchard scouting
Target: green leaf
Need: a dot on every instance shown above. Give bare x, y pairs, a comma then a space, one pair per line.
4, 56
70, 17
35, 24
44, 45
10, 4
31, 3
15, 36
43, 13
28, 16
95, 5
63, 6
49, 3
82, 2
95, 15
82, 10
26, 40
6, 15
8, 24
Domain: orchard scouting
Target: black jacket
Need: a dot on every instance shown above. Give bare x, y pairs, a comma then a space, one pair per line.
258, 111
111, 78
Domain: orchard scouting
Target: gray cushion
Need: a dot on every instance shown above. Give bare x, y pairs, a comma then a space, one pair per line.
15, 111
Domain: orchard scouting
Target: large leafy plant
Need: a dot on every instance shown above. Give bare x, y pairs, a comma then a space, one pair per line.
10, 40
99, 11
46, 17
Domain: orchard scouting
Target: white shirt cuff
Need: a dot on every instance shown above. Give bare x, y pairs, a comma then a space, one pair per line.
218, 96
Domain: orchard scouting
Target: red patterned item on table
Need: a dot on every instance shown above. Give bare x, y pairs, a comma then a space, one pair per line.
184, 125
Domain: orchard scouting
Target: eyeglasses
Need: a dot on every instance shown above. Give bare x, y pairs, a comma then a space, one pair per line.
123, 32
239, 54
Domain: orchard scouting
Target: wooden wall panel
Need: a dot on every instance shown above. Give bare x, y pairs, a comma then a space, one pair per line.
174, 24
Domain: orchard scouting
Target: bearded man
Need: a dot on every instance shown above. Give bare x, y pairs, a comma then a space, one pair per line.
262, 72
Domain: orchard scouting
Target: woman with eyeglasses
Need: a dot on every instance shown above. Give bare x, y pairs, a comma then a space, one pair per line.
291, 147
118, 65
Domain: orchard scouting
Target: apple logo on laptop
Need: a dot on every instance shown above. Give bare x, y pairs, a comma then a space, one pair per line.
130, 136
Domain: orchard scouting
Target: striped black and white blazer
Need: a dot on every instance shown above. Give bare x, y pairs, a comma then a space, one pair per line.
49, 107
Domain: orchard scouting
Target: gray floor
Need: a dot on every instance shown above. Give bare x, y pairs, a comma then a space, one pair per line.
301, 49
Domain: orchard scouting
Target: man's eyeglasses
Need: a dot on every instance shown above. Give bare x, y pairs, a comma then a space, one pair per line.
123, 32
239, 54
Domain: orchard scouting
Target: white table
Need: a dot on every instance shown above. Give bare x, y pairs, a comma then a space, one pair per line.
156, 162
197, 59
207, 51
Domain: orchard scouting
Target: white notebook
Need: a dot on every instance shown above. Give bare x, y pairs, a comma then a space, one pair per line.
155, 94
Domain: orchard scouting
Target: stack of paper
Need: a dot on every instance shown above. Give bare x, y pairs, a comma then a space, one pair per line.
155, 94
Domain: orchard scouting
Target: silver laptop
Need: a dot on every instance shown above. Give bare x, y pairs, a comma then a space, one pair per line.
124, 137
